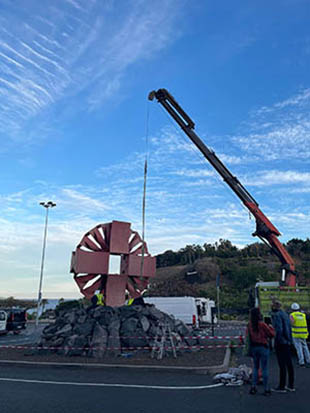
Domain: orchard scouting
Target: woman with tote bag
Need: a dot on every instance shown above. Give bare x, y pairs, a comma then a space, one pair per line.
258, 334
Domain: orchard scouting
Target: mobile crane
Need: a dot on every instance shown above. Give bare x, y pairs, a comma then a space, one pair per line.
286, 290
265, 230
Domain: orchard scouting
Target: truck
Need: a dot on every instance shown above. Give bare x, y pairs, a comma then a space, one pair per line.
12, 319
286, 289
267, 291
195, 311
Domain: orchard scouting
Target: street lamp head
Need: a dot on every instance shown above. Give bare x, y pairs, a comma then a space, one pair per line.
48, 204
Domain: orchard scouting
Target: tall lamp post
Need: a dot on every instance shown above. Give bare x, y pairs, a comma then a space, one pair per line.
46, 205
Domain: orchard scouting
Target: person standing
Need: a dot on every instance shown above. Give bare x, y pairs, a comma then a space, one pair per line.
300, 335
96, 300
135, 301
259, 334
283, 342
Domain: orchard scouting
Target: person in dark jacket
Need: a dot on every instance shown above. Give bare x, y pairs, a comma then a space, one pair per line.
259, 334
283, 342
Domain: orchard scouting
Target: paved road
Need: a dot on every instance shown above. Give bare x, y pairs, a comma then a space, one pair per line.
62, 389
30, 335
227, 329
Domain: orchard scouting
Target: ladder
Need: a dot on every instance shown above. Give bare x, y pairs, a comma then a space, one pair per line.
162, 340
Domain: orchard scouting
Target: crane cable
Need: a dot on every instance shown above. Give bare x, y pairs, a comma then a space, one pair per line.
144, 187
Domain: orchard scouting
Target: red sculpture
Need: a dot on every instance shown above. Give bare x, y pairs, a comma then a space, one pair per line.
91, 260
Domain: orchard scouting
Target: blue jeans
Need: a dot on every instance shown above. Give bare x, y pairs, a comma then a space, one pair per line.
302, 350
260, 356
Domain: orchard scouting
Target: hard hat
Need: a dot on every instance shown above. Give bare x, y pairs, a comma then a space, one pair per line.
295, 306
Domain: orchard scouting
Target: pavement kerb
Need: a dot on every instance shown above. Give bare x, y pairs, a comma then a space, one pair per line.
199, 370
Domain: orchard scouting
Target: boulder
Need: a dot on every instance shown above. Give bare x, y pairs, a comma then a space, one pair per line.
145, 324
99, 341
105, 330
85, 329
114, 343
64, 331
70, 317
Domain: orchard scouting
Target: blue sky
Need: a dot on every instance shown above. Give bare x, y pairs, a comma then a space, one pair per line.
75, 124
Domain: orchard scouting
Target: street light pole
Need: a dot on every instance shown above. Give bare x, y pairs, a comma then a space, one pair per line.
46, 205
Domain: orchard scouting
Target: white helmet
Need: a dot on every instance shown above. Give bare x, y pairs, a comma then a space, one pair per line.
295, 306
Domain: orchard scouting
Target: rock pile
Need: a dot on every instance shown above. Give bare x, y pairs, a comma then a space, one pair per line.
111, 331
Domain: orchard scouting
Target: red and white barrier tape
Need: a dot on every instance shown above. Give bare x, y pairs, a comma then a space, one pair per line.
89, 348
184, 337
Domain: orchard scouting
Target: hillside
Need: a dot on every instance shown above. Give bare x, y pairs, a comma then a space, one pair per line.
193, 270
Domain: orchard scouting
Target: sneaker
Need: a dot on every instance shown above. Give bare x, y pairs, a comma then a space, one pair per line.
291, 389
279, 390
253, 390
301, 365
267, 393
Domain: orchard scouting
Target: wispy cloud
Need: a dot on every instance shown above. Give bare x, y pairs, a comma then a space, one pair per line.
278, 177
281, 131
61, 52
295, 101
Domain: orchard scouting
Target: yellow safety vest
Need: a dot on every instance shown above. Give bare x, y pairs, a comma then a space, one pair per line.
299, 326
100, 299
130, 301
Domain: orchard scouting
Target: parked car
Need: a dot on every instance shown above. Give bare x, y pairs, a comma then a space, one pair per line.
12, 319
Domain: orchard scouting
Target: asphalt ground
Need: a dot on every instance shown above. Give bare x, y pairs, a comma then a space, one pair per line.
59, 389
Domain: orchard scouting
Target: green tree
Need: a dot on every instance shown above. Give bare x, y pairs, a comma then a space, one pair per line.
225, 249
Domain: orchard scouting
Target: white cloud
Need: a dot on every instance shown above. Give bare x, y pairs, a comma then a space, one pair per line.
174, 219
297, 100
74, 49
79, 200
194, 173
277, 177
279, 132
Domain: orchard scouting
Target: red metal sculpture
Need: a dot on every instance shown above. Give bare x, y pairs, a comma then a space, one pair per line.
91, 261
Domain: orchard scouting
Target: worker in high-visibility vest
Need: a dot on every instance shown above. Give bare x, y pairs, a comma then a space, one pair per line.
97, 300
300, 335
100, 298
129, 301
134, 301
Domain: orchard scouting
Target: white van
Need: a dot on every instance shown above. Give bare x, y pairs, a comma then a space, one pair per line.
195, 311
206, 310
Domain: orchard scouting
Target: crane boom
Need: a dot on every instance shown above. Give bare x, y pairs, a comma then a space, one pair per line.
265, 230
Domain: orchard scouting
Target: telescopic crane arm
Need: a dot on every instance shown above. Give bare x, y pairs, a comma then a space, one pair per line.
265, 230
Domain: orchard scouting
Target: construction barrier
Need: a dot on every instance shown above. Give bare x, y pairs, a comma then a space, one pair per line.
200, 347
